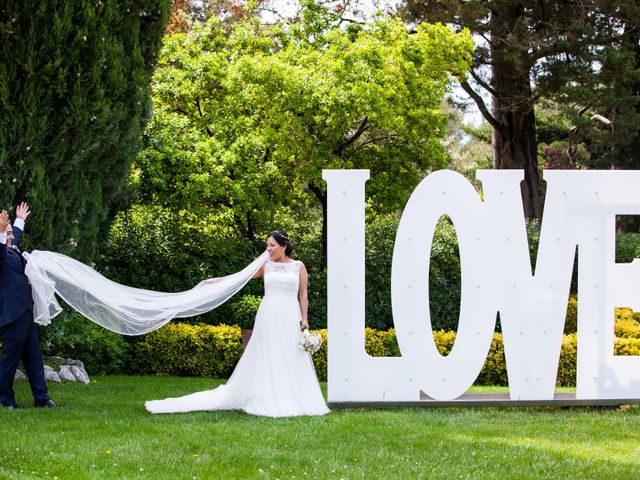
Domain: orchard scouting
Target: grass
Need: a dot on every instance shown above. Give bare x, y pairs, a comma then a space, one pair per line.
104, 432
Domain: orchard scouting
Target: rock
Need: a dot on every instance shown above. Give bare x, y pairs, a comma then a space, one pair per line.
51, 375
80, 373
57, 369
66, 373
77, 363
19, 375
55, 362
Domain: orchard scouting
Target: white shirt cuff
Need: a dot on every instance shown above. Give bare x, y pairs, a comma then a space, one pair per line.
19, 223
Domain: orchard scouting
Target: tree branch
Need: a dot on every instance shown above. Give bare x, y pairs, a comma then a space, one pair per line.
481, 106
319, 193
482, 83
202, 116
361, 129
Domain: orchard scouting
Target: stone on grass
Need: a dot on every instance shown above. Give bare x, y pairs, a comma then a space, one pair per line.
66, 373
51, 375
80, 373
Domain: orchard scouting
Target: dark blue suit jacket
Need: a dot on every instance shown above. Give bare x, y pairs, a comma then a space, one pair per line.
15, 291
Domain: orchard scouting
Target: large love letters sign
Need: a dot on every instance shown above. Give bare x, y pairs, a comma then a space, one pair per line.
580, 211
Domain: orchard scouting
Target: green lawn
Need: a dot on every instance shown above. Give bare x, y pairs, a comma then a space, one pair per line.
104, 432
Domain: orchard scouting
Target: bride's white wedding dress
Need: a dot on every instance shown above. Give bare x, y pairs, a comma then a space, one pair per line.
274, 377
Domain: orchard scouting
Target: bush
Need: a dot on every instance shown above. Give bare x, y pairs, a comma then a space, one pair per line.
626, 346
568, 360
627, 247
189, 350
494, 371
204, 350
155, 249
244, 311
571, 319
444, 274
320, 357
70, 335
625, 324
444, 277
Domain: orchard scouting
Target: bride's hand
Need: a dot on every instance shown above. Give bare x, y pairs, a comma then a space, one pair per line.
304, 325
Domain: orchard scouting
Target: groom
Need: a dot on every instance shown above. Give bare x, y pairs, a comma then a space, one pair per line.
18, 332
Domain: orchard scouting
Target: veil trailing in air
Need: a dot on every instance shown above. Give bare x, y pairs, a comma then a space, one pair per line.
119, 308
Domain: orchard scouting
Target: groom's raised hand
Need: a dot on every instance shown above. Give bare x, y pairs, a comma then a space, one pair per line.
22, 211
4, 221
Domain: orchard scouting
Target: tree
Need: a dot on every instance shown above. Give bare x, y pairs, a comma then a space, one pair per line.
73, 102
600, 108
523, 44
185, 14
244, 124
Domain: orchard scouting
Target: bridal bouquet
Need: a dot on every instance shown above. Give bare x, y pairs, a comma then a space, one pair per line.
310, 342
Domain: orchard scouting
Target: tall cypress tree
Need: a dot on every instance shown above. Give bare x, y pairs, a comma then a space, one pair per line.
74, 98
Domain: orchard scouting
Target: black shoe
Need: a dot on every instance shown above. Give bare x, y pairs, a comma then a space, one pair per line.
48, 404
11, 406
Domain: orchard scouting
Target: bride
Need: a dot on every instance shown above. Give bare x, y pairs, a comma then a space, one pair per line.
274, 377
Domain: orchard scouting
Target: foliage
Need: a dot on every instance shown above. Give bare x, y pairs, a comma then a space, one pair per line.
320, 357
468, 147
72, 336
244, 311
494, 371
150, 247
571, 318
244, 123
627, 247
444, 274
626, 324
380, 343
581, 55
627, 346
568, 360
444, 277
379, 239
185, 14
74, 99
189, 350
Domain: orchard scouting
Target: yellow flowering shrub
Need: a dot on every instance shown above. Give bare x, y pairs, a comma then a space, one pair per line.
320, 357
203, 350
190, 350
375, 342
626, 325
444, 341
626, 346
567, 365
571, 319
494, 371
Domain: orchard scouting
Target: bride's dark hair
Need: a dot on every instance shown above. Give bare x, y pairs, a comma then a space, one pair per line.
283, 240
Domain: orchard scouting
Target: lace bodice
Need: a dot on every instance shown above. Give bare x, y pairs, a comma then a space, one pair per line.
281, 279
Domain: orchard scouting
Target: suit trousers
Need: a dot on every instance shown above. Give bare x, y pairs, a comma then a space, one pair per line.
20, 342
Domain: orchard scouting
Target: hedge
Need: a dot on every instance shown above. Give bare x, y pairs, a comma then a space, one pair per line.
70, 335
189, 350
204, 350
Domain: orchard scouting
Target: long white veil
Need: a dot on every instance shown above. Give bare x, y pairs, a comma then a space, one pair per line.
119, 308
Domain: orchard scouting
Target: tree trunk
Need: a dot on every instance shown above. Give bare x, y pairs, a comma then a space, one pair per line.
321, 195
514, 140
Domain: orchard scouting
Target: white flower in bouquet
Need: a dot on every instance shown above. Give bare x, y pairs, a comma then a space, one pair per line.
310, 342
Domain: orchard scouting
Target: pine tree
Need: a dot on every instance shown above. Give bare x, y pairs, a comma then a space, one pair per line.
74, 98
